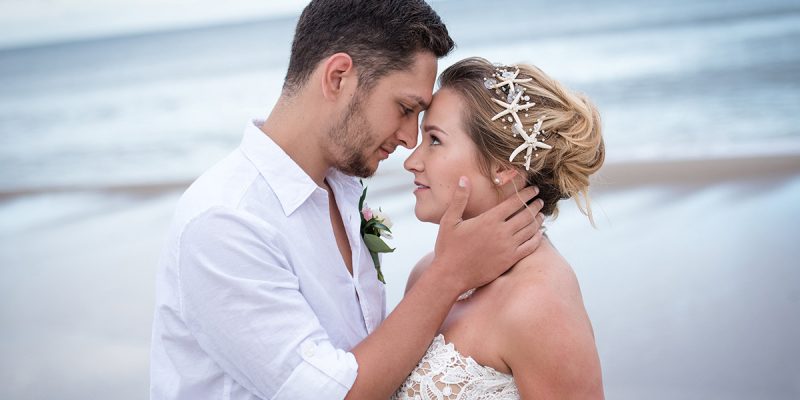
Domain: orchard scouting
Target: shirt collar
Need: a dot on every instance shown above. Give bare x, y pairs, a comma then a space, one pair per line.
288, 181
345, 186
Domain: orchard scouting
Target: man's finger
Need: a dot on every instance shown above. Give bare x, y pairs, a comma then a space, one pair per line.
514, 202
455, 211
527, 248
525, 234
531, 209
525, 216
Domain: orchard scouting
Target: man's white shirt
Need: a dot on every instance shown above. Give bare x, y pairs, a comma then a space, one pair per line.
253, 299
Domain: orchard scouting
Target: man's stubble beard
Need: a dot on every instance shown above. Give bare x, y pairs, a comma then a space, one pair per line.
350, 137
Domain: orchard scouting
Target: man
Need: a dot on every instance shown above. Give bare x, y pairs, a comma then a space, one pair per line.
266, 289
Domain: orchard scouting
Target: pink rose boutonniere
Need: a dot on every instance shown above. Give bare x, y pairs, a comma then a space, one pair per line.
374, 225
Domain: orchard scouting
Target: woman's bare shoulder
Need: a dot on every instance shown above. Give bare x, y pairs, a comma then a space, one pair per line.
544, 278
546, 331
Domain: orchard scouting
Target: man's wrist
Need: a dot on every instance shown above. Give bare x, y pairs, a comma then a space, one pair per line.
444, 279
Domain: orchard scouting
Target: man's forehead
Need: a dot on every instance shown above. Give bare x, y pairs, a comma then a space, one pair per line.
421, 102
415, 84
416, 89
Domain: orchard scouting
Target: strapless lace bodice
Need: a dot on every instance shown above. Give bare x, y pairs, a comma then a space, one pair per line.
444, 374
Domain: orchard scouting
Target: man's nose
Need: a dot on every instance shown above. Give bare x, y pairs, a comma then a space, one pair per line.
409, 133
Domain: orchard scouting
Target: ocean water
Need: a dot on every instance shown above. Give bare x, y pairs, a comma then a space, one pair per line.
684, 77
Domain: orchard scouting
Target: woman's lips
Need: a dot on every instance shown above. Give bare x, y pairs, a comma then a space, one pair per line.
420, 187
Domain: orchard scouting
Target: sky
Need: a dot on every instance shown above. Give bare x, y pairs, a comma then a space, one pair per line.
26, 22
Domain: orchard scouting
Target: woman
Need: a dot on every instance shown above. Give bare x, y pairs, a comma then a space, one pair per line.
526, 334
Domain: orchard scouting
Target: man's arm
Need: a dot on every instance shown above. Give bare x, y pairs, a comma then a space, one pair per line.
468, 254
243, 305
245, 308
422, 265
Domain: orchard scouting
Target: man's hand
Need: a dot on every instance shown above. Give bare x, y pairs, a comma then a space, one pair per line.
468, 254
476, 251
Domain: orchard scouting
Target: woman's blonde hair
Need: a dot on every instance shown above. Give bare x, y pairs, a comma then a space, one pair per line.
570, 121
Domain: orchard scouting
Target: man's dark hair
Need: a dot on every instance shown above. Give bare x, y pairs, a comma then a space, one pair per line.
380, 36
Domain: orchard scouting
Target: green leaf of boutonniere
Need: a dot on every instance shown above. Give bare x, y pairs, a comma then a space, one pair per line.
374, 224
363, 196
376, 244
379, 226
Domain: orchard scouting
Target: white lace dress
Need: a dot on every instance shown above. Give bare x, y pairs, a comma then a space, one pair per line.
444, 374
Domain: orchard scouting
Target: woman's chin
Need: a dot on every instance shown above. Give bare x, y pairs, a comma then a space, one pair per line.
426, 216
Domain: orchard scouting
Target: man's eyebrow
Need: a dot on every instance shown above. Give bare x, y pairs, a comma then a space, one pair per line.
423, 105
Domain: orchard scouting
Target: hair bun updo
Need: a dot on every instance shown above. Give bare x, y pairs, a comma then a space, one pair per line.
570, 123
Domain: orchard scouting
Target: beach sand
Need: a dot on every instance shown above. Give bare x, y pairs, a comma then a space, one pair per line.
691, 280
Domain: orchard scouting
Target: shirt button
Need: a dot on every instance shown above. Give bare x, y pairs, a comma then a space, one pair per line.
308, 349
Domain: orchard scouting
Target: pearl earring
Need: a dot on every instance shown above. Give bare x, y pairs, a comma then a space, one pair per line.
496, 181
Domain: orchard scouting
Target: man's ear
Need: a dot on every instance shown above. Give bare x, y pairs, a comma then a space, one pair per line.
338, 74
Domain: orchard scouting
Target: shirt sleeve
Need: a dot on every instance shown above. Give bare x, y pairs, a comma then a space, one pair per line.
242, 303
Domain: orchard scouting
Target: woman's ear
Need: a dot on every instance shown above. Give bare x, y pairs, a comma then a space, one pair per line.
337, 74
503, 175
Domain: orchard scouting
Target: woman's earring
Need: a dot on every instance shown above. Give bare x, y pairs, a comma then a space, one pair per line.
496, 180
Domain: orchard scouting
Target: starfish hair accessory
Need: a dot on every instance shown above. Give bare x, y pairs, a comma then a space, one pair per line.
516, 101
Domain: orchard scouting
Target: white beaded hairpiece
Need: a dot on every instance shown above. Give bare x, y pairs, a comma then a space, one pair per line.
515, 101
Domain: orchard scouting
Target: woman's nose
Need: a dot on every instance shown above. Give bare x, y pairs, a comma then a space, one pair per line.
413, 163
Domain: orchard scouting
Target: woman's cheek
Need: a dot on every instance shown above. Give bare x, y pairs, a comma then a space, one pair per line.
447, 190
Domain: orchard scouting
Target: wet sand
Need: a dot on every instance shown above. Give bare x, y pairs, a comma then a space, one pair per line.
691, 280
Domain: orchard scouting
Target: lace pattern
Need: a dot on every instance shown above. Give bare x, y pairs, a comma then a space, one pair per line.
444, 374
